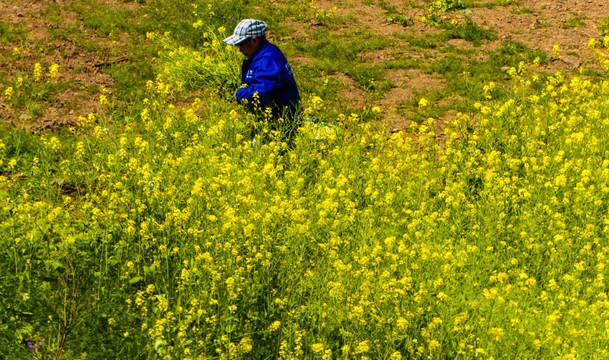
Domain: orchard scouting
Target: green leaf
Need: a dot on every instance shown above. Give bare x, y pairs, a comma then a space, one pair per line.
150, 270
58, 266
135, 280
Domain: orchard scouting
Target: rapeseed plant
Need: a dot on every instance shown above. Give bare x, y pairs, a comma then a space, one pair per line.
37, 71
556, 51
364, 245
53, 73
215, 64
320, 14
8, 93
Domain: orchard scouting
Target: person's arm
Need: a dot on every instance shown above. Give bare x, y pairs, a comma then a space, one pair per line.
266, 74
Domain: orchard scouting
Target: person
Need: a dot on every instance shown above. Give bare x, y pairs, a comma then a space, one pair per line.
266, 75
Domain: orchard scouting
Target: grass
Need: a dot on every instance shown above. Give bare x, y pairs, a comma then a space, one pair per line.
153, 229
422, 42
542, 24
490, 4
52, 12
329, 46
469, 31
157, 270
603, 26
453, 66
576, 21
366, 75
10, 33
400, 20
387, 7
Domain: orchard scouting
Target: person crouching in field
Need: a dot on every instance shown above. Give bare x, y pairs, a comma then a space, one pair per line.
267, 79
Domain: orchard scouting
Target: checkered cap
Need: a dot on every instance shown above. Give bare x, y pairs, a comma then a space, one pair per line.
246, 29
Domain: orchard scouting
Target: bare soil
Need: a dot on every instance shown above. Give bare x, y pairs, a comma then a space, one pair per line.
541, 26
79, 67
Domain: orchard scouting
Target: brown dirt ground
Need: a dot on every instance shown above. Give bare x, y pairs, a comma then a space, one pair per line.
77, 66
541, 29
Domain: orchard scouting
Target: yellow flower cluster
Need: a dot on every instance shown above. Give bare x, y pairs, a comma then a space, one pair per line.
320, 14
601, 55
37, 71
215, 64
363, 245
53, 72
8, 93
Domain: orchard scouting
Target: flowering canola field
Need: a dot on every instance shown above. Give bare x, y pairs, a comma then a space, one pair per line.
170, 237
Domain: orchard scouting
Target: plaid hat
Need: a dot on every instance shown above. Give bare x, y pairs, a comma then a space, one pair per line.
246, 29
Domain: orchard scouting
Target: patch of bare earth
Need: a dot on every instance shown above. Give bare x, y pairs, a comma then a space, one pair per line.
80, 68
541, 29
374, 18
350, 94
422, 82
408, 83
548, 26
390, 103
541, 26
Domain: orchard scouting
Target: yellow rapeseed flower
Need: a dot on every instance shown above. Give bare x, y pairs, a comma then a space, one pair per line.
556, 51
37, 71
8, 93
53, 72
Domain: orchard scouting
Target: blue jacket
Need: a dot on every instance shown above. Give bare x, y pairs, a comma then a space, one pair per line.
269, 74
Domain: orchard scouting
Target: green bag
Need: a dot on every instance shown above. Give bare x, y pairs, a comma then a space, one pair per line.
318, 130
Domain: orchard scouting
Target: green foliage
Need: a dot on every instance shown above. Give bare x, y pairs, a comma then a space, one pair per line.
156, 230
4, 33
603, 27
447, 64
490, 4
215, 64
450, 5
512, 52
423, 42
52, 12
329, 46
383, 4
467, 30
402, 64
9, 33
400, 20
107, 20
366, 75
171, 235
130, 78
27, 92
433, 17
576, 21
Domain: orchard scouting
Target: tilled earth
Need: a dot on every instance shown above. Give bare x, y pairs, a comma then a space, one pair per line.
82, 68
538, 24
